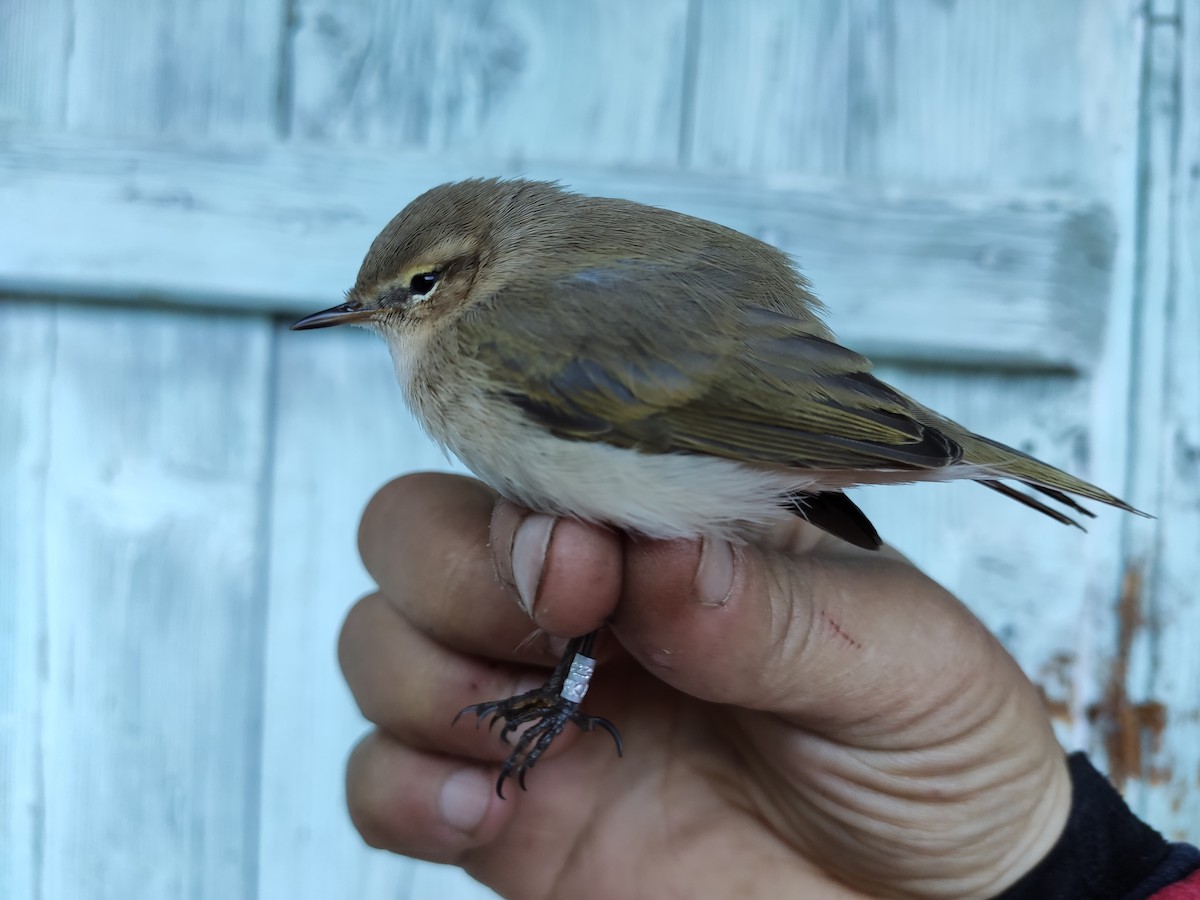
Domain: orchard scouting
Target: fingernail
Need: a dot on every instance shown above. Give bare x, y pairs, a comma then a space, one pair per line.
529, 555
714, 574
464, 799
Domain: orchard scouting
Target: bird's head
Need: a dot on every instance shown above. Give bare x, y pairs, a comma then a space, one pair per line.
450, 247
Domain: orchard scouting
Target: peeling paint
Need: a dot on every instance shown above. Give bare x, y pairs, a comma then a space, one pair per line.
1059, 710
1055, 684
1127, 727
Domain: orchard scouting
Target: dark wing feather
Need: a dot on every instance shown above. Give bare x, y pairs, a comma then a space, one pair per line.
1062, 498
1032, 502
836, 513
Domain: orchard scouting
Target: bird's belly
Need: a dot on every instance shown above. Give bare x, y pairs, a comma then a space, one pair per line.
660, 495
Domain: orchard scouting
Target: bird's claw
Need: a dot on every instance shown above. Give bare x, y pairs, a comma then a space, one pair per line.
549, 712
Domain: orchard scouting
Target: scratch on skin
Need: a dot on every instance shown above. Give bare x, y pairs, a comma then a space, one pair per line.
839, 631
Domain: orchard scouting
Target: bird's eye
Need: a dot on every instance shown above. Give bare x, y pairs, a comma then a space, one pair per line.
423, 283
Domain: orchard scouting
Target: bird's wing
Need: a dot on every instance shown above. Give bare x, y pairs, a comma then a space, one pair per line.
603, 355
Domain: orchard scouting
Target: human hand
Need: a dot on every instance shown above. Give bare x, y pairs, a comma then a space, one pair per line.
801, 718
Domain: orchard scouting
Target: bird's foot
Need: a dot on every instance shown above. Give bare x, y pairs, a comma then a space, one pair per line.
548, 709
549, 712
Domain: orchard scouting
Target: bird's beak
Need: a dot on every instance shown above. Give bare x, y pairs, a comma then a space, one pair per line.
352, 311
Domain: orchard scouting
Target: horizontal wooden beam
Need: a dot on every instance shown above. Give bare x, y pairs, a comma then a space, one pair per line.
1020, 282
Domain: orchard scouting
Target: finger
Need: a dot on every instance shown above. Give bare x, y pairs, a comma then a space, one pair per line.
424, 539
848, 638
420, 804
413, 687
566, 574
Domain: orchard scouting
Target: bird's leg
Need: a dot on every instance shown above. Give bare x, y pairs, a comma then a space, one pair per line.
549, 708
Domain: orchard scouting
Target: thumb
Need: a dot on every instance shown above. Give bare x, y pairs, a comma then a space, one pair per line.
825, 636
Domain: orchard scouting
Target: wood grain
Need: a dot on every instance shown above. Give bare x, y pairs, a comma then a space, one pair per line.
185, 68
35, 41
27, 340
602, 82
1175, 754
1164, 670
341, 432
141, 599
1010, 281
943, 94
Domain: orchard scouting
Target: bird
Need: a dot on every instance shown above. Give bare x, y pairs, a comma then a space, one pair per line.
658, 373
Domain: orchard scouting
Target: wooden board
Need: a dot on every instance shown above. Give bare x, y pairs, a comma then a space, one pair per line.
186, 68
110, 67
140, 605
141, 599
341, 432
35, 42
1007, 281
524, 79
940, 94
1154, 733
27, 338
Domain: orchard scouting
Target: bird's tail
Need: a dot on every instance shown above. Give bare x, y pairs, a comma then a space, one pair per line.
1001, 461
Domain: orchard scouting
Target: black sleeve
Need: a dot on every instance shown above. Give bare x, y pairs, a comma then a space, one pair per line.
1105, 851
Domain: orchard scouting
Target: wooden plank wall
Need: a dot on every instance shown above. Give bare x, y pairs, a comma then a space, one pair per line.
138, 686
176, 519
1160, 611
281, 230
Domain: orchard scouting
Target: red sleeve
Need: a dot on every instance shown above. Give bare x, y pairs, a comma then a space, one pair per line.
1106, 851
1188, 889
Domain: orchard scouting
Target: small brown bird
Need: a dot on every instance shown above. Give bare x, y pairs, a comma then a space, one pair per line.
628, 365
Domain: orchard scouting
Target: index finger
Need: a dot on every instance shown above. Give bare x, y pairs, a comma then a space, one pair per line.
424, 540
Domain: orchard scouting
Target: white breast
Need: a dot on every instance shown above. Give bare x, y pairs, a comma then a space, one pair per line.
671, 495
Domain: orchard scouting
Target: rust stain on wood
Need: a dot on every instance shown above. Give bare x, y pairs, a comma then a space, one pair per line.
1055, 680
1128, 727
1058, 710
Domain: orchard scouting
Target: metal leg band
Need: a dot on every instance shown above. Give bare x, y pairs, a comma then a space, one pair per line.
575, 685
